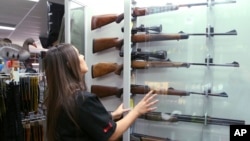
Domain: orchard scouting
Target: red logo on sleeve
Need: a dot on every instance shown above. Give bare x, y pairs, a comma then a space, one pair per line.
107, 128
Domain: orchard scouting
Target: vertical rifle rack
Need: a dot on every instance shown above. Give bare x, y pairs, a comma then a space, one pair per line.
20, 113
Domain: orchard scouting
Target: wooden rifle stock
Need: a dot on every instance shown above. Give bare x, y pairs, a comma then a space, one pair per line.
27, 131
143, 89
138, 38
104, 91
101, 69
136, 13
142, 64
98, 21
106, 43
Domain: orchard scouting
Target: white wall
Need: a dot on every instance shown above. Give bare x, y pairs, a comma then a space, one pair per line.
223, 49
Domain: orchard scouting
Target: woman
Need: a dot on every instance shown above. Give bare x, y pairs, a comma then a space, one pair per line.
73, 113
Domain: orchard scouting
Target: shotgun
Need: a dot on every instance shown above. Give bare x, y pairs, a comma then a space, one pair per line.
101, 69
98, 21
101, 44
160, 116
106, 43
138, 38
105, 91
142, 11
142, 64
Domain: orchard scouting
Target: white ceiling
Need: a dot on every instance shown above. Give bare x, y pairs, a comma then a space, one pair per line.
29, 17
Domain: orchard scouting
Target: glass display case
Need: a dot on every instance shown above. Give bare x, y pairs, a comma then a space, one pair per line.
193, 53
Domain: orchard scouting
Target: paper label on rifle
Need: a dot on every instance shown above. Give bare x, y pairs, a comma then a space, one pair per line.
157, 85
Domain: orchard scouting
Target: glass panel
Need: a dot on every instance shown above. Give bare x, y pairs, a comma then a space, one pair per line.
77, 25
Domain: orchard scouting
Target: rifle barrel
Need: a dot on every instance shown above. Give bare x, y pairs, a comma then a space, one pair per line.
210, 120
233, 64
159, 116
222, 94
205, 3
232, 32
142, 11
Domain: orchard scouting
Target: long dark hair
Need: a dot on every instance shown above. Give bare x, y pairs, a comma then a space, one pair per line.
64, 77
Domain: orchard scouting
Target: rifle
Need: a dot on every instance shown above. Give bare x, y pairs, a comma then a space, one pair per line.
105, 91
159, 54
142, 137
142, 64
101, 69
106, 43
142, 28
98, 21
159, 116
142, 11
138, 38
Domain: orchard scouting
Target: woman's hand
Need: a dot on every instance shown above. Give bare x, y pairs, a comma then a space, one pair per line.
117, 114
147, 103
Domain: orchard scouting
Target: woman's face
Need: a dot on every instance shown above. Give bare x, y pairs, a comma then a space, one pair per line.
83, 65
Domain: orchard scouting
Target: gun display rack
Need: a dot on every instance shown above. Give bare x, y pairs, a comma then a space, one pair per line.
149, 46
21, 114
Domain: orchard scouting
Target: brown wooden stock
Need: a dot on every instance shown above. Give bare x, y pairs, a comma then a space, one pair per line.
137, 38
101, 69
141, 64
143, 89
137, 11
98, 21
104, 91
172, 91
27, 132
106, 43
139, 89
152, 139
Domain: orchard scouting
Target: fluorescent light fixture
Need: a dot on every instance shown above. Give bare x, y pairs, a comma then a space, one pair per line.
5, 26
35, 64
34, 0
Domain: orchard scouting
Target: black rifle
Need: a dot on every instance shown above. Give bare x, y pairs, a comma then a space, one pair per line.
142, 28
159, 54
159, 116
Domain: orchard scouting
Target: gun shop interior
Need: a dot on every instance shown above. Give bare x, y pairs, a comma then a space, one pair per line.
192, 53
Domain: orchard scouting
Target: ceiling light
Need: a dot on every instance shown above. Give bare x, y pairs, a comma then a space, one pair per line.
34, 0
7, 26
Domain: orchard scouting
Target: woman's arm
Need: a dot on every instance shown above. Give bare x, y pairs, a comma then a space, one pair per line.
144, 106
